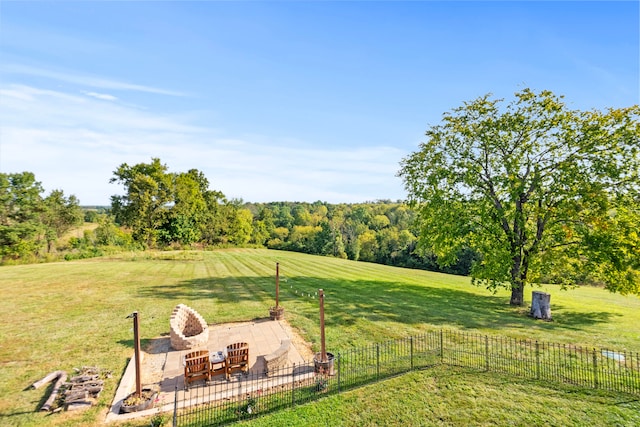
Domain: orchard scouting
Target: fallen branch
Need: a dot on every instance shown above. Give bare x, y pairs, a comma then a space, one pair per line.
52, 376
62, 377
83, 378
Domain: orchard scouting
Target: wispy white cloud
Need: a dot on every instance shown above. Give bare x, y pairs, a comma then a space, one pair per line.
85, 80
103, 96
75, 142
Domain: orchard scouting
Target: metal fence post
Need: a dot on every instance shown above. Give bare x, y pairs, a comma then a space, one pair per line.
175, 408
486, 353
293, 386
441, 346
377, 361
338, 372
537, 360
595, 369
411, 349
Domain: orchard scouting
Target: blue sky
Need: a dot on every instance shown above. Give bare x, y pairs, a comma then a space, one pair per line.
273, 101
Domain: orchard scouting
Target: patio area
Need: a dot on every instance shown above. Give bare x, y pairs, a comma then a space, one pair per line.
162, 367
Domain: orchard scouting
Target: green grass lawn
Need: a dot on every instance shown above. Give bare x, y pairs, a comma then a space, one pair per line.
445, 396
72, 314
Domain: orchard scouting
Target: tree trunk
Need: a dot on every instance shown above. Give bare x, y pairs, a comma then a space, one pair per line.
517, 295
517, 282
540, 305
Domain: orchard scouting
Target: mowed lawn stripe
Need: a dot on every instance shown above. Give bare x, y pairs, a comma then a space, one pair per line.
70, 314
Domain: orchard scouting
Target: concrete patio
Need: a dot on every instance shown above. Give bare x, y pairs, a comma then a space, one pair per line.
162, 366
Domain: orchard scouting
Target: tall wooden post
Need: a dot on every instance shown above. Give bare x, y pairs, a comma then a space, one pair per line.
277, 312
323, 349
136, 343
277, 284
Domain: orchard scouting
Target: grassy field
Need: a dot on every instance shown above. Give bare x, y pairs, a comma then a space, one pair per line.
71, 314
451, 397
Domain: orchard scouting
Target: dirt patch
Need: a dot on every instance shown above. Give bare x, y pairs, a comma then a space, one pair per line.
303, 347
154, 360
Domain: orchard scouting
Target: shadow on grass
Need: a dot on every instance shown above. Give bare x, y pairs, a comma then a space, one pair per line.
6, 418
576, 320
223, 290
348, 301
46, 392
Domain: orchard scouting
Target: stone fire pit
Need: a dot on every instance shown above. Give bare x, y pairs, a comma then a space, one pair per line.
188, 328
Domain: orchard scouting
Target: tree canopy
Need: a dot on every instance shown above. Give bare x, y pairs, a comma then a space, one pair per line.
163, 208
30, 222
532, 187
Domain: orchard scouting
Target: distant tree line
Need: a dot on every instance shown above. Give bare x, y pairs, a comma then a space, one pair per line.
163, 210
177, 210
167, 209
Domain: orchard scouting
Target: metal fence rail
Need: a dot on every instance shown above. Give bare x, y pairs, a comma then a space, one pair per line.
248, 396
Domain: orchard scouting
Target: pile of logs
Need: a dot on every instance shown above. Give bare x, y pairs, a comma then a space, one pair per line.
80, 392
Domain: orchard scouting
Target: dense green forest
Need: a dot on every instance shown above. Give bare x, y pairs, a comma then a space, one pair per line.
166, 210
382, 231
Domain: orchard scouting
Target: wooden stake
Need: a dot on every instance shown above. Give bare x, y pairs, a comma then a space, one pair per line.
323, 349
136, 343
277, 284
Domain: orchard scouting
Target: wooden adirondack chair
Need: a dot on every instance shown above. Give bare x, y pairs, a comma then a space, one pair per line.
196, 367
237, 358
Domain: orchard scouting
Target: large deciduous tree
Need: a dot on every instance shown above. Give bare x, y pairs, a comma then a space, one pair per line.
60, 214
529, 186
149, 191
20, 209
27, 220
163, 208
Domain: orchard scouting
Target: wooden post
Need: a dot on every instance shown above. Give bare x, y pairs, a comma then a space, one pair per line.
277, 312
46, 380
136, 343
323, 349
277, 284
61, 379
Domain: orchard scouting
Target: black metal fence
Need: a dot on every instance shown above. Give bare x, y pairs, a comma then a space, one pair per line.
255, 394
